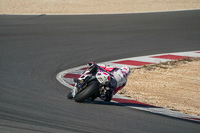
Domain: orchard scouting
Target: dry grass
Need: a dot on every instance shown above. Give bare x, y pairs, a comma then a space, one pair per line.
174, 85
93, 6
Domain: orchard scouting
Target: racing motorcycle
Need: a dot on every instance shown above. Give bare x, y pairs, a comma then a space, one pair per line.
89, 86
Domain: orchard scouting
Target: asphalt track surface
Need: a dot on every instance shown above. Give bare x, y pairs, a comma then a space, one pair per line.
33, 49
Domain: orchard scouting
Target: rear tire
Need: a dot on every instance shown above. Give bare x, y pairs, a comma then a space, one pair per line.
92, 88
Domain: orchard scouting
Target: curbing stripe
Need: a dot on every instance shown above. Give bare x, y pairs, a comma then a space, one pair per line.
172, 57
71, 75
132, 62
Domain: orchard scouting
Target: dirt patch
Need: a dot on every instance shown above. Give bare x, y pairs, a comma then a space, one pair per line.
173, 85
93, 6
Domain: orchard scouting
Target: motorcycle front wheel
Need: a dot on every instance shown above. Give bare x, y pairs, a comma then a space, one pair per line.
69, 96
90, 90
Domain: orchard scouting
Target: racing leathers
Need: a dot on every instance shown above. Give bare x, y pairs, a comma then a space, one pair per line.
118, 77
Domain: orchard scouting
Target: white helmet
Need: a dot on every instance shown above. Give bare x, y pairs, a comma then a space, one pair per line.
103, 77
125, 70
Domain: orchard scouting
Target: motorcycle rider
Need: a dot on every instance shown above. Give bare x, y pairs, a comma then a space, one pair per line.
113, 79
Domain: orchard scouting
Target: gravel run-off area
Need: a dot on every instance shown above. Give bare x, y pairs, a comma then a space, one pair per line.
173, 85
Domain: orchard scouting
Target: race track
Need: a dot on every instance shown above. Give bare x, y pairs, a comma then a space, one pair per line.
33, 49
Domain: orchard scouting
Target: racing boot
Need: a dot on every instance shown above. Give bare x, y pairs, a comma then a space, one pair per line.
109, 95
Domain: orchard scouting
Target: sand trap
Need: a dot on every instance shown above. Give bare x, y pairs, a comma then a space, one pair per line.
93, 6
174, 85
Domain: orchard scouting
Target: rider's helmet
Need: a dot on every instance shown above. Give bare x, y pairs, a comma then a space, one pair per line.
125, 70
103, 77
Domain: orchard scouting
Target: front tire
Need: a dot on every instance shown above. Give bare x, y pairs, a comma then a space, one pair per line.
92, 88
69, 96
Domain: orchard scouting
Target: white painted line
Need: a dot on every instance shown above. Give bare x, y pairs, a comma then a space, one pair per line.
91, 14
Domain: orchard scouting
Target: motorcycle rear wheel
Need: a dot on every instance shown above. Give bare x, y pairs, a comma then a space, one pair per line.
90, 90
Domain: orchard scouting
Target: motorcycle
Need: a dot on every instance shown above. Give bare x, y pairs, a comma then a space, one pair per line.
88, 87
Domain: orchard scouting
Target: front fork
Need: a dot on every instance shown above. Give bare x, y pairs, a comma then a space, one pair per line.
74, 90
78, 87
